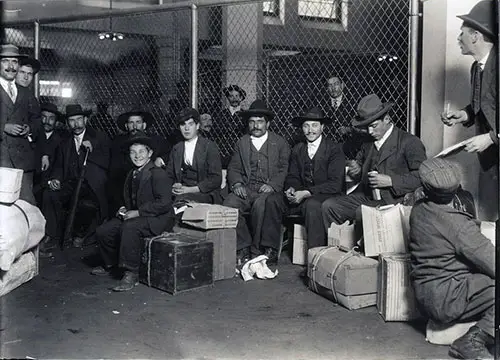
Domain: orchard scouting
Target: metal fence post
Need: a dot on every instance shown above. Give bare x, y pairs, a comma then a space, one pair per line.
36, 38
413, 66
194, 56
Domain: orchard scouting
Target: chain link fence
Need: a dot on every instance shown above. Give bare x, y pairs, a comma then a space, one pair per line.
284, 52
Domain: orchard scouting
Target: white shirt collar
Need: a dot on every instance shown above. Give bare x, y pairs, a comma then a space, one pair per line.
189, 146
233, 110
259, 141
335, 100
80, 136
379, 143
483, 61
48, 134
5, 84
312, 147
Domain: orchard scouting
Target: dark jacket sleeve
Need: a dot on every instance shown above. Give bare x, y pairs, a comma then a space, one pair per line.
101, 153
278, 180
213, 165
235, 171
335, 173
170, 170
162, 194
162, 148
293, 178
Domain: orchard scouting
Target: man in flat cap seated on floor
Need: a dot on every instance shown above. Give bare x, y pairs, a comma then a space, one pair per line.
315, 173
194, 165
146, 211
452, 263
258, 168
387, 167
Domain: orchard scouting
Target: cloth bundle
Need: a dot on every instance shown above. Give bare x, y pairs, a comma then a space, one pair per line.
257, 266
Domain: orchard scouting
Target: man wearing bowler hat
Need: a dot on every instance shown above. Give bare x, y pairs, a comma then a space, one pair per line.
194, 166
67, 168
19, 122
315, 173
387, 167
478, 38
28, 68
257, 169
130, 123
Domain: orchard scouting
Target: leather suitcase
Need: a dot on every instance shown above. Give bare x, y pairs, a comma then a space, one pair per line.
176, 262
345, 277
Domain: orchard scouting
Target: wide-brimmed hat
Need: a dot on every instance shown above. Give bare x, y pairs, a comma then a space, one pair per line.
76, 109
122, 119
140, 137
257, 108
10, 51
481, 18
370, 108
313, 114
50, 108
28, 60
186, 114
230, 88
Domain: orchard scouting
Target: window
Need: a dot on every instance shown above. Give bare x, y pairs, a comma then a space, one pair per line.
56, 88
271, 8
325, 10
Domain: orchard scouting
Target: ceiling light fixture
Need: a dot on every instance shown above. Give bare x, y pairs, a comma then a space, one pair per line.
111, 35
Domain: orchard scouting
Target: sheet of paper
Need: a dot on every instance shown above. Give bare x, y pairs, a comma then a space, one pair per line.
452, 150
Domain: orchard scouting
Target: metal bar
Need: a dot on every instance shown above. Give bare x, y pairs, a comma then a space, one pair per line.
194, 56
132, 11
413, 66
497, 223
36, 38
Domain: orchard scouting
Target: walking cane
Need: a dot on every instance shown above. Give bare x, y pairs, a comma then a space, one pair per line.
74, 202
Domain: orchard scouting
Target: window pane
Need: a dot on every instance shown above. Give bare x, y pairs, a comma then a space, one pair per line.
271, 7
326, 9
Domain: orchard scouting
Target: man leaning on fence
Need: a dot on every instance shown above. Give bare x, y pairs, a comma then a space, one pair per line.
387, 167
315, 173
452, 263
257, 169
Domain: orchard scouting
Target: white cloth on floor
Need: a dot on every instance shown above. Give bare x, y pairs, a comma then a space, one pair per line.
257, 267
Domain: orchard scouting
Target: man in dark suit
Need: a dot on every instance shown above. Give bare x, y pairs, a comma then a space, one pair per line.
131, 122
194, 166
28, 68
387, 166
19, 121
257, 169
67, 168
147, 211
477, 38
315, 173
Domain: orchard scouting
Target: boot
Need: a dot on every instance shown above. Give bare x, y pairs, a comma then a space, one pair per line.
128, 282
472, 345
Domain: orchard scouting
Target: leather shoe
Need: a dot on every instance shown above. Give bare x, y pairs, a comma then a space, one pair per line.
472, 345
272, 255
100, 270
128, 282
242, 256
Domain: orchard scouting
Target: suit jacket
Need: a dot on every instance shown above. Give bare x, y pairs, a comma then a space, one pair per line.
328, 172
206, 161
48, 147
96, 172
154, 197
17, 151
489, 122
226, 130
238, 170
400, 158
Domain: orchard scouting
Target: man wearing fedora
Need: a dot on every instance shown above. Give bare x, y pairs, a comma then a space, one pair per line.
478, 39
28, 68
67, 168
453, 264
19, 121
257, 169
315, 173
194, 166
130, 123
146, 211
387, 167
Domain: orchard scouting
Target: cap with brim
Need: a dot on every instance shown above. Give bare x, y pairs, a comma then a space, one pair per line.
147, 117
313, 114
186, 114
257, 108
76, 109
34, 63
481, 18
230, 88
370, 108
139, 138
10, 51
50, 108
440, 179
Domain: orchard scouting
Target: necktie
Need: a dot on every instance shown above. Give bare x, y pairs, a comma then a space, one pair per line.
310, 151
476, 88
11, 92
78, 144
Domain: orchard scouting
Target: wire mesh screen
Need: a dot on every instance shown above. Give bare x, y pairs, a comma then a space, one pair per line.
294, 54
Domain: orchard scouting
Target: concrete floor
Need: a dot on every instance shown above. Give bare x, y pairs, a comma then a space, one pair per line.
67, 313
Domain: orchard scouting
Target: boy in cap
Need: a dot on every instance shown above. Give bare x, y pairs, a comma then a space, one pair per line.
146, 211
452, 263
194, 165
315, 173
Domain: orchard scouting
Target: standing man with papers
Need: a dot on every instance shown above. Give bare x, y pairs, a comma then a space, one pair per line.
478, 39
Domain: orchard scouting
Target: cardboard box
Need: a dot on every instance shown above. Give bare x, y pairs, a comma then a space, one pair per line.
224, 241
208, 216
345, 277
488, 229
396, 298
176, 262
299, 254
342, 235
10, 184
383, 230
